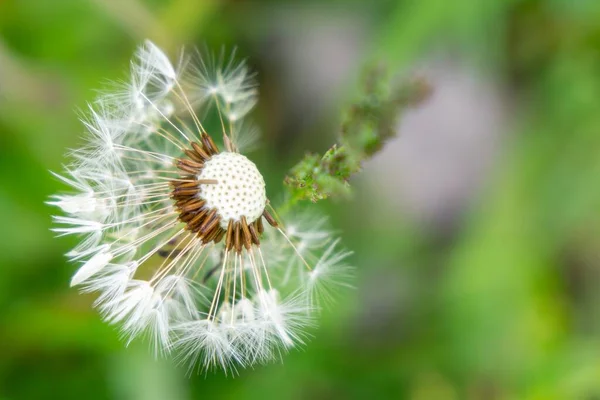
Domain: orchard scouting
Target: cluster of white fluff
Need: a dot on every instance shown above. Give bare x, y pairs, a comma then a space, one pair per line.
152, 276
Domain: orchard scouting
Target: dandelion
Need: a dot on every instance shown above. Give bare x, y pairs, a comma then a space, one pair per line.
178, 237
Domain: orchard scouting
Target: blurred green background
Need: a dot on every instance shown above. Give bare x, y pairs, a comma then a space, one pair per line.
476, 232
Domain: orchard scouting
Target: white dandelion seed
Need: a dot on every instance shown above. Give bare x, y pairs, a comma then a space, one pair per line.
177, 235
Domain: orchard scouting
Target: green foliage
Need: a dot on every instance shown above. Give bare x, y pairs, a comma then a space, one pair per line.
366, 125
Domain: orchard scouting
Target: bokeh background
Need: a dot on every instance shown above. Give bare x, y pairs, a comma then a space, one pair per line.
476, 232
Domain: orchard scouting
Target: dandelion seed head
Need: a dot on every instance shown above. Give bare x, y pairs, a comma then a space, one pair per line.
177, 237
239, 191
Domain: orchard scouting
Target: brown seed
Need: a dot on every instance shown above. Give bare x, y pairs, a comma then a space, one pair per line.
270, 219
254, 234
236, 237
193, 155
247, 238
178, 198
186, 178
193, 205
185, 217
197, 220
220, 235
190, 163
182, 202
187, 168
259, 226
206, 237
211, 213
180, 192
184, 184
211, 222
229, 238
209, 145
211, 233
201, 152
